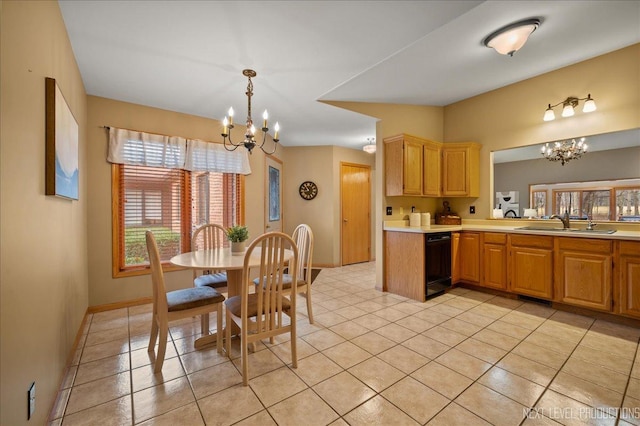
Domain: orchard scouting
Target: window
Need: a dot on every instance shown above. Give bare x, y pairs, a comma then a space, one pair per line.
169, 185
539, 202
172, 203
615, 200
627, 204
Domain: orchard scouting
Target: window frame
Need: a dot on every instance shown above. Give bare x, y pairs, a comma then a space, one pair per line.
117, 235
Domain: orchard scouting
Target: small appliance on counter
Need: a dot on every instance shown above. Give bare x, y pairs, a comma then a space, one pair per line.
447, 217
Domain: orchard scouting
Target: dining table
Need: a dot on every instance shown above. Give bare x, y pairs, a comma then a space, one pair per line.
220, 259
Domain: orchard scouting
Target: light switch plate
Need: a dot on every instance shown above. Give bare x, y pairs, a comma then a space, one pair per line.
389, 210
472, 209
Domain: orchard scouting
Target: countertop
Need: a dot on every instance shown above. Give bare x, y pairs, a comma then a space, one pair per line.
620, 234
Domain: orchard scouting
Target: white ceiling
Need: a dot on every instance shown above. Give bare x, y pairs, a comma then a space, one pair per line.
188, 56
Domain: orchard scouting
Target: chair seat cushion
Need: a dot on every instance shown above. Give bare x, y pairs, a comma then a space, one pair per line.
287, 279
211, 280
234, 305
188, 298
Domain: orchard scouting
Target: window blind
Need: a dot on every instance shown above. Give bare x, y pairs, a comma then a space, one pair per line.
151, 198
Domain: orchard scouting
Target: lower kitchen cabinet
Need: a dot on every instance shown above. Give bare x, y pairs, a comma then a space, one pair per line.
583, 272
531, 265
629, 278
494, 261
470, 257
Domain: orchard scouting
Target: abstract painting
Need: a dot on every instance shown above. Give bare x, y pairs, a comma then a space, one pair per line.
61, 138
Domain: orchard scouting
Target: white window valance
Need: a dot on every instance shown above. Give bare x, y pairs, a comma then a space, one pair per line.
213, 157
147, 149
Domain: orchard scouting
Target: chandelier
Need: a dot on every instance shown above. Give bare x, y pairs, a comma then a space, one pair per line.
249, 141
568, 106
564, 151
370, 147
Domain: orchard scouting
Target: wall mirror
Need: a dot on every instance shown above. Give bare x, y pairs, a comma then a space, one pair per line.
604, 183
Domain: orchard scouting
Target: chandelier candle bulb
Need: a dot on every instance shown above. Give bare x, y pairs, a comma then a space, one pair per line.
277, 129
230, 115
265, 116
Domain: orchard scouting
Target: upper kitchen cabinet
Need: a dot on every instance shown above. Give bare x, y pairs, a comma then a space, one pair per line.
403, 165
461, 169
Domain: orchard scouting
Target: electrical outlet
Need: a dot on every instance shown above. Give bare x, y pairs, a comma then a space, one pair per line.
472, 209
401, 210
389, 210
31, 400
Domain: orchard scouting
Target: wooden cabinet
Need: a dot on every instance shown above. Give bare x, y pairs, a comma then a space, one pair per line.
403, 165
461, 169
432, 154
470, 257
530, 265
583, 272
404, 267
420, 167
628, 276
494, 260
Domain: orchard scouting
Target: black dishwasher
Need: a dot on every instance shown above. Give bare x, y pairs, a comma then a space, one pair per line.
437, 262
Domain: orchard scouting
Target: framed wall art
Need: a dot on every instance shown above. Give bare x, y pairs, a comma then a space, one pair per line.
61, 138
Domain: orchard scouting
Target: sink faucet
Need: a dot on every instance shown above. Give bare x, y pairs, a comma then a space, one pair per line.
590, 224
564, 218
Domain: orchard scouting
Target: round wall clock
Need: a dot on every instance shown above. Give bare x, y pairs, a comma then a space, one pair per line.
308, 190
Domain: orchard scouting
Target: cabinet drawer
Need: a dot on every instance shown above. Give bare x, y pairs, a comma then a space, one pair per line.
629, 247
538, 241
495, 238
584, 244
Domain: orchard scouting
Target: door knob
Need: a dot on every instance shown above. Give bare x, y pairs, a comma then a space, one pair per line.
345, 220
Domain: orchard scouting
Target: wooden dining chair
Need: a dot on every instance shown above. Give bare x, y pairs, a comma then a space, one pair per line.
260, 314
303, 237
205, 237
177, 304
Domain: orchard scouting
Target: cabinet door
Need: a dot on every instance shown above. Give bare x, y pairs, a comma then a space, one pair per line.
470, 257
431, 172
455, 175
584, 272
629, 279
531, 271
412, 177
404, 264
494, 262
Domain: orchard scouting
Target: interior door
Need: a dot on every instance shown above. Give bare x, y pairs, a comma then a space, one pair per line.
273, 194
355, 194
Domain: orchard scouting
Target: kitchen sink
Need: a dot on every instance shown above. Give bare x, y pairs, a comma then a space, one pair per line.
585, 231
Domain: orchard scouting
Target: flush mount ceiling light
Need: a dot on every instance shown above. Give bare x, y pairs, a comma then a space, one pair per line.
371, 146
508, 40
564, 151
568, 106
249, 141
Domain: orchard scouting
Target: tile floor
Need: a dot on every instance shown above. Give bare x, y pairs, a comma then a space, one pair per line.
371, 358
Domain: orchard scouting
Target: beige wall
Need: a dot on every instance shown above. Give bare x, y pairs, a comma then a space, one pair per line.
512, 116
320, 164
43, 244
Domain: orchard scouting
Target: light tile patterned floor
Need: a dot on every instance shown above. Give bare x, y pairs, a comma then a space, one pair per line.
371, 358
